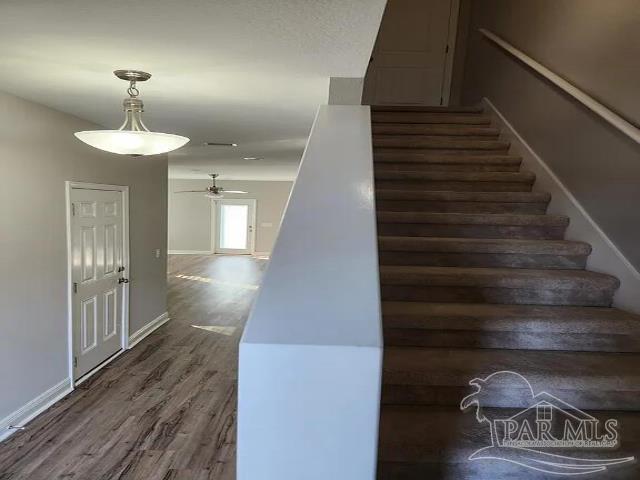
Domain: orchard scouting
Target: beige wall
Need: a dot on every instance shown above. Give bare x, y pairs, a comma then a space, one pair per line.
593, 44
38, 153
190, 214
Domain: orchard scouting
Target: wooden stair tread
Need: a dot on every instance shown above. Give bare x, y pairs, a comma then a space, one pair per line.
472, 218
423, 435
495, 277
437, 142
482, 312
434, 129
427, 109
439, 118
521, 177
483, 245
510, 197
544, 369
382, 157
528, 327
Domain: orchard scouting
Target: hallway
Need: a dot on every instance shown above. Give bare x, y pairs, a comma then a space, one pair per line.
166, 408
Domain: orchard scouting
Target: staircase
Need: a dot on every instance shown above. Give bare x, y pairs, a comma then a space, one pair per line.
475, 278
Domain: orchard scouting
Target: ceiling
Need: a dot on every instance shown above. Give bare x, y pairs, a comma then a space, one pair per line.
246, 71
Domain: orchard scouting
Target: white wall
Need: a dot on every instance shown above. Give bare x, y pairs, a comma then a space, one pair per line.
345, 91
38, 153
190, 214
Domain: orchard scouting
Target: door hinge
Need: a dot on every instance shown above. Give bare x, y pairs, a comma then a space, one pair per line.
73, 209
75, 362
446, 50
75, 287
441, 101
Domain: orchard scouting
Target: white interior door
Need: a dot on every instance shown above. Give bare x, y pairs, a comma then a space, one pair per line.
96, 269
234, 232
409, 59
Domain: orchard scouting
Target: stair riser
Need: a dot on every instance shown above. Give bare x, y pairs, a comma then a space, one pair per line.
381, 167
514, 340
429, 118
509, 260
471, 231
396, 393
579, 296
453, 186
461, 207
458, 109
448, 143
453, 141
438, 152
447, 130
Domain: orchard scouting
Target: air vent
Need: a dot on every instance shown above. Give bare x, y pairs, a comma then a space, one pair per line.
219, 144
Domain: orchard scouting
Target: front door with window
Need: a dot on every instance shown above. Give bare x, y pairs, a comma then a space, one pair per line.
97, 253
234, 231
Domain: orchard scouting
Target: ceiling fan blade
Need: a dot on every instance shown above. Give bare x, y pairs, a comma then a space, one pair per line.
234, 191
191, 191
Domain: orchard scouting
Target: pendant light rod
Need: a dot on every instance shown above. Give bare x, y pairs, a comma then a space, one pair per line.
133, 106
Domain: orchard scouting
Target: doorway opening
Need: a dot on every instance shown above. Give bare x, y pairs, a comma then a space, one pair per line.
97, 272
234, 231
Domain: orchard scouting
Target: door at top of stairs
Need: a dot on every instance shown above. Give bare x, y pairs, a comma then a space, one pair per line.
408, 64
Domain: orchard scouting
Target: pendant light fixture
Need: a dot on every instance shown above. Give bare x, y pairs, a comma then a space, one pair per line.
133, 137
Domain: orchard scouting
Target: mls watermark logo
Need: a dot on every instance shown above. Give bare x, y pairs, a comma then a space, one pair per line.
528, 437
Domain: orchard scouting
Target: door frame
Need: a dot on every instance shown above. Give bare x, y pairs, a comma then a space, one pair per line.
124, 328
447, 77
214, 224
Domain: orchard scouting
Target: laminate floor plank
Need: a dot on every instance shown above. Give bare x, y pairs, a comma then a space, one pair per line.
164, 410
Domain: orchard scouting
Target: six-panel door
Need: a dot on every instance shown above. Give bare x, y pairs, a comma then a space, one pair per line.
97, 248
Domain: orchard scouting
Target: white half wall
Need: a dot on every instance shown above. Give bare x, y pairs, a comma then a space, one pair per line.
190, 214
605, 257
311, 352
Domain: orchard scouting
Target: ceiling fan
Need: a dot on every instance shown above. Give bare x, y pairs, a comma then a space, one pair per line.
213, 191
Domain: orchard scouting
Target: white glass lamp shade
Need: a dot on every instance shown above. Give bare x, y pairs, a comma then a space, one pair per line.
128, 142
213, 195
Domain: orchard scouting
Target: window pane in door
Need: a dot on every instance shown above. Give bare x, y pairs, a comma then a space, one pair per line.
233, 226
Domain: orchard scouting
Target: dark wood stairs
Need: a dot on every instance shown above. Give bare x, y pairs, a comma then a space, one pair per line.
475, 278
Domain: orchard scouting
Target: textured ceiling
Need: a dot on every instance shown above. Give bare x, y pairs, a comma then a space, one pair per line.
246, 71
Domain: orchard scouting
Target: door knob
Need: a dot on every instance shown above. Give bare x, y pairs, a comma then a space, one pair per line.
123, 280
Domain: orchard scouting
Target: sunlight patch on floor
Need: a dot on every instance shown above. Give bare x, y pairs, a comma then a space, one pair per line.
228, 331
197, 278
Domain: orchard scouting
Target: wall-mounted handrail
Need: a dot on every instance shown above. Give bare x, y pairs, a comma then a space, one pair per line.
592, 104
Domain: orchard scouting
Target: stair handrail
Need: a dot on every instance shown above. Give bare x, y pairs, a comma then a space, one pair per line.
591, 103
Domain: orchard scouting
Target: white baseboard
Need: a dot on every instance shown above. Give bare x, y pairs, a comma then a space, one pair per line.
190, 252
148, 329
606, 257
34, 408
43, 401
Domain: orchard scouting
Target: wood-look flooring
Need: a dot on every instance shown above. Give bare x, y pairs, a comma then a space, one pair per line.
165, 409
